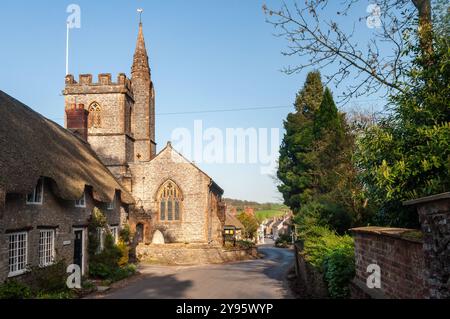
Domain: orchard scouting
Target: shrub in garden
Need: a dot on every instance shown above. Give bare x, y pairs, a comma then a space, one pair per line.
339, 270
49, 279
13, 289
245, 244
125, 234
283, 241
110, 263
333, 255
124, 253
104, 264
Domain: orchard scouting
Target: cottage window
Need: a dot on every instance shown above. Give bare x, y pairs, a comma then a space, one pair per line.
170, 198
17, 253
94, 118
81, 202
37, 196
46, 247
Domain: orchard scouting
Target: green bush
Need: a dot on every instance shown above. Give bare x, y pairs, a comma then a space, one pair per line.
125, 234
49, 279
245, 244
321, 241
13, 289
56, 295
283, 241
339, 268
323, 213
100, 270
333, 255
123, 272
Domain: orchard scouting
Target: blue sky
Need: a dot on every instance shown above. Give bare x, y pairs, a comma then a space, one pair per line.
204, 55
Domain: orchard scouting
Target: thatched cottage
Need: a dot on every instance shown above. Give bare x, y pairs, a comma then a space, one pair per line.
50, 181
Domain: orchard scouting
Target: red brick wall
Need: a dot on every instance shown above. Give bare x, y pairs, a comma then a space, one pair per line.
401, 262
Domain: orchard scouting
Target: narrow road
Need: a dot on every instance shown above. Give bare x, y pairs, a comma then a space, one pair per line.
260, 278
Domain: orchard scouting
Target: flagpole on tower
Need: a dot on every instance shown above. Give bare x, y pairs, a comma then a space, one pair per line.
67, 48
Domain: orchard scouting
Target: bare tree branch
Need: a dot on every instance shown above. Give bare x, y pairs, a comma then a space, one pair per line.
324, 43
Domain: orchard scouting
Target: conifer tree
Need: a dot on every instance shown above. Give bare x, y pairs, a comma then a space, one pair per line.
296, 162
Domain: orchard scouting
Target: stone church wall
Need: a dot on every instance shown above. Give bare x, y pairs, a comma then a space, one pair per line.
194, 184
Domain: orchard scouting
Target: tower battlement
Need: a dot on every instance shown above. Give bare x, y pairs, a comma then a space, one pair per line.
104, 84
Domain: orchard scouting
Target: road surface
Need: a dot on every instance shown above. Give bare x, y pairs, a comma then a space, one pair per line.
260, 278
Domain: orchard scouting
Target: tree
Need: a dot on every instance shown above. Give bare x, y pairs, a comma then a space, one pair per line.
316, 173
323, 42
250, 223
295, 161
407, 154
308, 100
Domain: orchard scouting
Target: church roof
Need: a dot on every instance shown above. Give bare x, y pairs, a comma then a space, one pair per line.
33, 146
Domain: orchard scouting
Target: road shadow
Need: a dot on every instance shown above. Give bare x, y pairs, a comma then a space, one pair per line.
152, 286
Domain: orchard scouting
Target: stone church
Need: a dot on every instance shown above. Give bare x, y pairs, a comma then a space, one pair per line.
172, 195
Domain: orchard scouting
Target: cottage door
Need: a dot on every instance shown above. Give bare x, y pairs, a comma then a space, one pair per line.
78, 249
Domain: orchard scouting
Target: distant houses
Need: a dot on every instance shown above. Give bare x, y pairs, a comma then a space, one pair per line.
278, 226
273, 227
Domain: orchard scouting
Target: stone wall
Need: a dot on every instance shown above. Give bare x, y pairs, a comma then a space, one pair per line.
54, 213
434, 217
309, 279
200, 218
191, 254
398, 253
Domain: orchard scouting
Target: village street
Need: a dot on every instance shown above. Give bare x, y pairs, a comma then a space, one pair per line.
261, 278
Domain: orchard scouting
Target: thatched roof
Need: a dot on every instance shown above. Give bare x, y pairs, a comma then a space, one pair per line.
32, 146
231, 220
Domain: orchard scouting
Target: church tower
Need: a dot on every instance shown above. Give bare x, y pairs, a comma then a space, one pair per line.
144, 103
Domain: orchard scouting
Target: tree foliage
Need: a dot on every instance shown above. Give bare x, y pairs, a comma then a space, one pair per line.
407, 154
315, 161
250, 223
295, 161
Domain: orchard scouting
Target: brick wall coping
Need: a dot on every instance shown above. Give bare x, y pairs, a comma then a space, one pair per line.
427, 199
413, 235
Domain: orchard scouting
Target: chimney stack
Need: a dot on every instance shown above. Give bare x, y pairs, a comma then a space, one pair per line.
77, 120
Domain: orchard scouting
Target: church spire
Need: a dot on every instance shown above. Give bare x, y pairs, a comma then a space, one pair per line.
144, 102
140, 59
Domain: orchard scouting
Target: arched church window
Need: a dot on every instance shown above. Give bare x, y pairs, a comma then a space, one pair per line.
94, 119
170, 200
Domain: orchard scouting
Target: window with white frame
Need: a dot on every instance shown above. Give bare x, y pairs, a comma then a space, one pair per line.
46, 247
114, 233
17, 253
37, 196
82, 201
